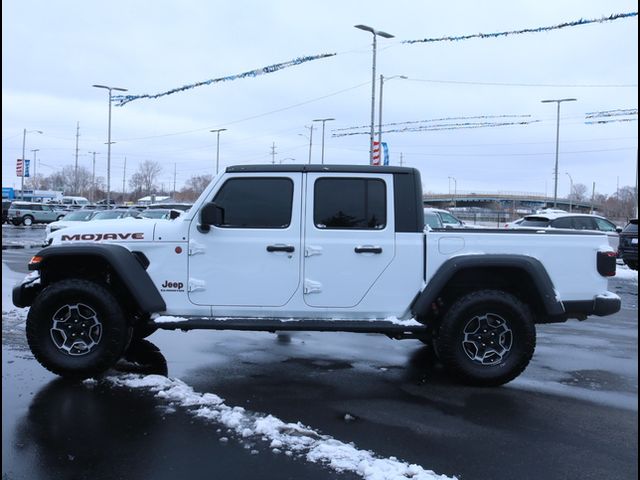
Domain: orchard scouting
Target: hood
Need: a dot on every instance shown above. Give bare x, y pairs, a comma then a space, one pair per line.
122, 230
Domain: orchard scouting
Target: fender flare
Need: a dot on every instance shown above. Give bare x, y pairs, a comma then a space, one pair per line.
124, 263
531, 266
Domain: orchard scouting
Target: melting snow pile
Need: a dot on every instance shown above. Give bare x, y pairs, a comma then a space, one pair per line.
290, 438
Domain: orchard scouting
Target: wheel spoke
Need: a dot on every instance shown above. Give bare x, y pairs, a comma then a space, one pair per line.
76, 329
487, 339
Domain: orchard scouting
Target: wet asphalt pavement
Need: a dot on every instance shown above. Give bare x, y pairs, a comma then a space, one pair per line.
571, 414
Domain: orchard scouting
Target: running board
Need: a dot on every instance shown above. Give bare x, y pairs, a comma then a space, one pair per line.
390, 329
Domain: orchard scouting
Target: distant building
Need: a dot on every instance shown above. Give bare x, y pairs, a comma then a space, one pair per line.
44, 196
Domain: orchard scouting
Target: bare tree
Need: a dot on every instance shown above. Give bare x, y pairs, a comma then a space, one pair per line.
143, 182
65, 180
579, 192
194, 187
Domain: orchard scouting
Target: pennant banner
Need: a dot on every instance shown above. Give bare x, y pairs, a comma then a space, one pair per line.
594, 122
443, 126
124, 99
610, 18
613, 113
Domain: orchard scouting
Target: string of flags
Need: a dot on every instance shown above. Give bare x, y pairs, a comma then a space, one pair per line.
124, 99
121, 100
575, 23
610, 116
437, 124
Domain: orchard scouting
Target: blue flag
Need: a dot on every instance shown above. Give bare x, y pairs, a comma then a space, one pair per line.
385, 149
26, 167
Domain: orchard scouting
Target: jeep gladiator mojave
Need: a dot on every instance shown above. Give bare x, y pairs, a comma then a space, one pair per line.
313, 247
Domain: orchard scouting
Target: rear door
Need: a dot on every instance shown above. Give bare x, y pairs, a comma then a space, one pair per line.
349, 236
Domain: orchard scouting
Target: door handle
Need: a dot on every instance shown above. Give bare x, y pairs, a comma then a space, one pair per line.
361, 249
281, 248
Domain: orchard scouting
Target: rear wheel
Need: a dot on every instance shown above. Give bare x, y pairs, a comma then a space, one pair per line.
487, 338
631, 264
76, 328
27, 220
60, 217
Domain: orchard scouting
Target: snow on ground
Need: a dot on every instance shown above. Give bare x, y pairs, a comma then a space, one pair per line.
625, 273
294, 439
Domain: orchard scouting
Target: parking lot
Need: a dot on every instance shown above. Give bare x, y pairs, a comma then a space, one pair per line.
207, 404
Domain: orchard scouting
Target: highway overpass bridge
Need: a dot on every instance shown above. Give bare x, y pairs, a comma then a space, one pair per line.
522, 202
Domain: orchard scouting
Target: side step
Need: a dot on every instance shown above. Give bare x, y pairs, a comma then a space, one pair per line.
390, 329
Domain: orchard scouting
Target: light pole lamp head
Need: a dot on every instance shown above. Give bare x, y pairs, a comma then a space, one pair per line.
218, 130
323, 119
367, 28
560, 100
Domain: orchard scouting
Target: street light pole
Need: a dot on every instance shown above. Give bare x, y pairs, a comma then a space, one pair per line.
373, 81
570, 189
24, 140
455, 189
118, 89
323, 120
380, 107
218, 147
93, 178
558, 101
35, 179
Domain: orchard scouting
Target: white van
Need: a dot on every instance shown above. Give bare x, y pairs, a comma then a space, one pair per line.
81, 201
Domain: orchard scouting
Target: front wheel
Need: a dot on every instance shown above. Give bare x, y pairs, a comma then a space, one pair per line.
76, 328
487, 338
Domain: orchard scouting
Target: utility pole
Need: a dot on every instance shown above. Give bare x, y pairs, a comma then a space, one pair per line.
124, 176
273, 153
400, 158
93, 178
174, 180
76, 169
593, 195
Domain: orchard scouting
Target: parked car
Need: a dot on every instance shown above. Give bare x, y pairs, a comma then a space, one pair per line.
5, 210
176, 206
628, 248
432, 219
448, 219
75, 201
574, 221
28, 213
114, 214
160, 213
514, 224
71, 219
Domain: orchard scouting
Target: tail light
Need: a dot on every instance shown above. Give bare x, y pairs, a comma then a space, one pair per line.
606, 263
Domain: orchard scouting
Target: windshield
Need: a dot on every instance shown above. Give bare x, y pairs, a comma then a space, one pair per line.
79, 216
109, 215
432, 220
155, 214
632, 227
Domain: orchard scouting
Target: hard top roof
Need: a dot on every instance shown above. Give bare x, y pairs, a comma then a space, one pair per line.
320, 168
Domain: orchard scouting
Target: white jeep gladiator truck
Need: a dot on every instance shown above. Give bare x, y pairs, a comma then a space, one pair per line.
313, 247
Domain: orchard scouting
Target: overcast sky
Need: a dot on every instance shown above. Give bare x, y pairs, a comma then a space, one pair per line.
52, 52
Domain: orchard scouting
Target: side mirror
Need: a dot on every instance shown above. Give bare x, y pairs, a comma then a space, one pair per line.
211, 214
619, 229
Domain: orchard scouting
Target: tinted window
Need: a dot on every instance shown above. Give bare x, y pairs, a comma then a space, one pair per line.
256, 202
564, 222
584, 223
605, 225
36, 208
350, 203
534, 222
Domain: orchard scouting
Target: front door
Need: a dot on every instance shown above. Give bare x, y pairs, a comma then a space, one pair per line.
252, 258
349, 236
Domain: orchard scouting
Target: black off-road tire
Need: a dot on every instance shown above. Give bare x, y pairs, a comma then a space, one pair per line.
487, 338
57, 308
631, 264
143, 330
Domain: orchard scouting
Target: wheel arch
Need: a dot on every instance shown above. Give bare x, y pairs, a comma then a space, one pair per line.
110, 264
523, 276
